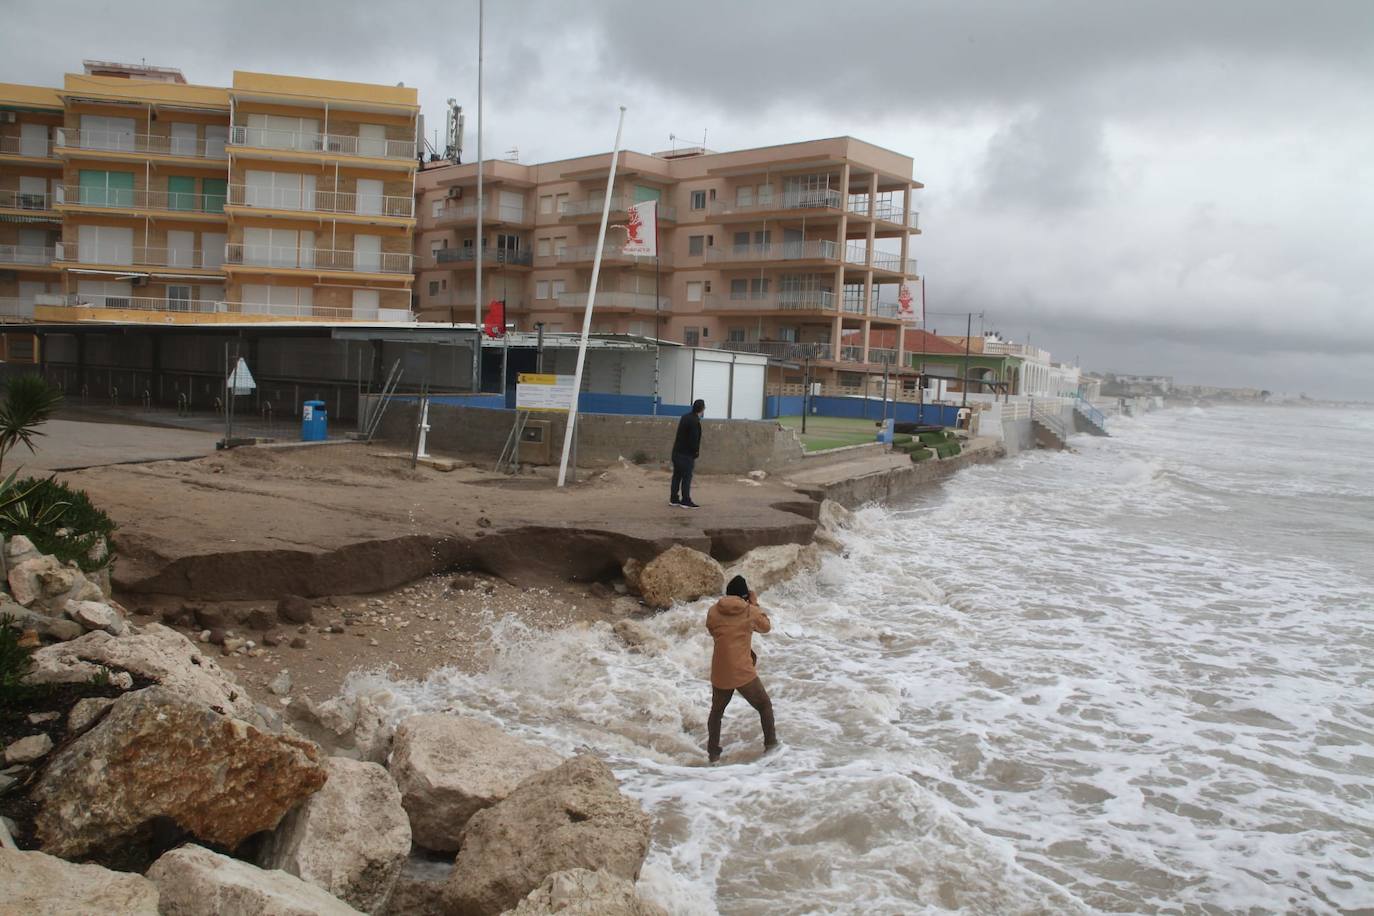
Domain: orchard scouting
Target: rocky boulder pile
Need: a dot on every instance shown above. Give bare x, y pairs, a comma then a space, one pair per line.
55, 600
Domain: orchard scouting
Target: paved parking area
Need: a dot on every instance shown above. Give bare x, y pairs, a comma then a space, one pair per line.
69, 444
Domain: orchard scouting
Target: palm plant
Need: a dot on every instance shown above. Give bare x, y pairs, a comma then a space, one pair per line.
28, 403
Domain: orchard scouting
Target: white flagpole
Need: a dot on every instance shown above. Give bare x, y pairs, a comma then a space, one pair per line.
591, 301
477, 356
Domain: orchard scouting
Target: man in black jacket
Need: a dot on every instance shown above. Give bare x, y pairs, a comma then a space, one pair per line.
686, 450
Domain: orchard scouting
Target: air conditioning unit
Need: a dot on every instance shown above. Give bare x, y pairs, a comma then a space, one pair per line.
8, 117
455, 193
139, 281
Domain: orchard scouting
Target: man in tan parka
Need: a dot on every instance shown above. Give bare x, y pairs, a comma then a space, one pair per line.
732, 622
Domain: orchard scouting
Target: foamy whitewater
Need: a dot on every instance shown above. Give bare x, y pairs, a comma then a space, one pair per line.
1137, 678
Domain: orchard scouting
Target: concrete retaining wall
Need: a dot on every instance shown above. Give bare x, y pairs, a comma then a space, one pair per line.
893, 486
728, 446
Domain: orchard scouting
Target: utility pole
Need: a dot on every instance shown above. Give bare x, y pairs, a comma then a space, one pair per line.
477, 297
968, 343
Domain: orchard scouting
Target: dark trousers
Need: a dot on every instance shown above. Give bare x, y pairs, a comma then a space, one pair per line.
757, 697
682, 477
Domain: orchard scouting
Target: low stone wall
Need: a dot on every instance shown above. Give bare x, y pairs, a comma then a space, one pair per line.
728, 446
895, 485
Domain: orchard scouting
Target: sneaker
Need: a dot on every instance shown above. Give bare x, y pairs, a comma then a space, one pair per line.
674, 503
689, 505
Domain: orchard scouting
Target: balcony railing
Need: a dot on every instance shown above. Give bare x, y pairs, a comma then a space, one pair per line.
1001, 348
856, 254
27, 254
489, 256
882, 356
788, 200
780, 349
303, 312
819, 250
309, 142
884, 261
610, 254
150, 144
850, 354
321, 201
26, 146
25, 200
617, 301
886, 309
136, 199
467, 213
15, 309
139, 255
240, 254
592, 206
819, 300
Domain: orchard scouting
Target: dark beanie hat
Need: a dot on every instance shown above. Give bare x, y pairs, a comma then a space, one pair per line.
698, 406
738, 587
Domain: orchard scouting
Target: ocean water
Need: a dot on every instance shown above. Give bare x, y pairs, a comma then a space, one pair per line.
1139, 678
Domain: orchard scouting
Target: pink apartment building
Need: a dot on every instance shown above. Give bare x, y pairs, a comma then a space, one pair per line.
796, 251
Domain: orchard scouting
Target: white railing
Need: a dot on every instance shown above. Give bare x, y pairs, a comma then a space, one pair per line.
321, 201
883, 356
1001, 348
818, 300
26, 254
776, 251
592, 206
620, 301
212, 306
19, 146
850, 354
885, 261
613, 254
885, 309
462, 213
15, 309
123, 255
856, 254
238, 253
25, 200
788, 200
146, 303
523, 258
913, 220
152, 144
309, 142
137, 199
779, 349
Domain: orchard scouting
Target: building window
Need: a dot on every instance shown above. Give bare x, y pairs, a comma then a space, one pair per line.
696, 245
736, 335
698, 200
546, 203
434, 207
541, 248
560, 245
739, 289
541, 289
851, 380
765, 194
434, 287
435, 246
744, 196
560, 289
691, 336
694, 291
560, 202
443, 284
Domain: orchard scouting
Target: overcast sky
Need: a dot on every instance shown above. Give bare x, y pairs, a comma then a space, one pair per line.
1178, 186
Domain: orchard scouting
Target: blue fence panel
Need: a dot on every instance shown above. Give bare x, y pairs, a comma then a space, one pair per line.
862, 409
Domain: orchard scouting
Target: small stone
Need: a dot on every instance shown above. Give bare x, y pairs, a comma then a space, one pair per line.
27, 750
295, 609
210, 618
462, 583
261, 618
271, 639
281, 684
233, 643
38, 718
6, 781
483, 522
205, 635
299, 642
217, 637
29, 640
373, 642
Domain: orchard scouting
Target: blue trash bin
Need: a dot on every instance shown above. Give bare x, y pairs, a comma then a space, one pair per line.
314, 422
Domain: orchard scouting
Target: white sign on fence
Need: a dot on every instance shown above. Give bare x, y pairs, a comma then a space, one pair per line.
535, 391
240, 381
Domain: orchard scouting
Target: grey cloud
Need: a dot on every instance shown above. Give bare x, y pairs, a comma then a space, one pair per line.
1052, 159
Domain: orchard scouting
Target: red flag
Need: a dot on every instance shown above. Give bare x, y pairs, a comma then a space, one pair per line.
495, 325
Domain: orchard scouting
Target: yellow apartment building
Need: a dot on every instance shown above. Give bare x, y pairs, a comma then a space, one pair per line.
129, 195
797, 251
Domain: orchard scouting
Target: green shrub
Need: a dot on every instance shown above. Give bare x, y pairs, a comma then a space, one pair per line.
936, 437
901, 439
15, 663
921, 454
59, 521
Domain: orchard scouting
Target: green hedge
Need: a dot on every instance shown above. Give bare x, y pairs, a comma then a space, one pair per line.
935, 438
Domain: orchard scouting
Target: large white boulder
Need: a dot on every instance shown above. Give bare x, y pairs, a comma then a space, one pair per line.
450, 767
158, 757
37, 884
351, 838
572, 816
194, 881
680, 574
157, 653
580, 892
765, 567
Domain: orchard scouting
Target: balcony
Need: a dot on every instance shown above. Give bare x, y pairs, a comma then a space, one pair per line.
182, 202
461, 257
610, 301
273, 257
789, 201
818, 250
35, 202
882, 356
139, 256
819, 300
577, 210
266, 138
332, 202
780, 349
495, 214
28, 148
110, 141
27, 255
611, 254
14, 309
1001, 348
219, 307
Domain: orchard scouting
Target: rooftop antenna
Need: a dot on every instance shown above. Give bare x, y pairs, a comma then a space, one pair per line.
513, 154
